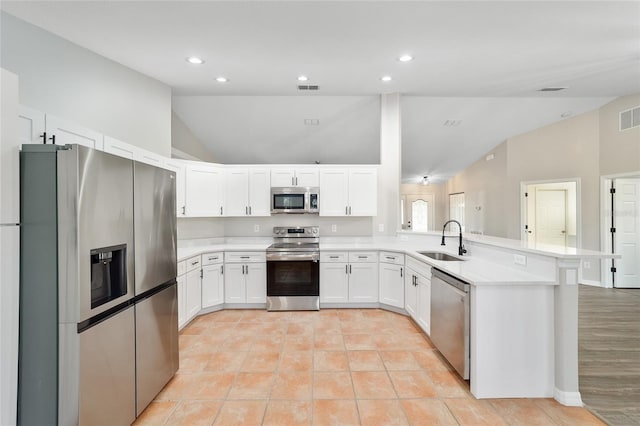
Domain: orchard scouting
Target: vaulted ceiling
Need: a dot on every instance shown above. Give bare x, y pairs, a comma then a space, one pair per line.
482, 63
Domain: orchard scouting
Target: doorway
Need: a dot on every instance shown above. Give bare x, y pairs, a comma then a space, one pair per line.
417, 212
621, 230
456, 208
550, 213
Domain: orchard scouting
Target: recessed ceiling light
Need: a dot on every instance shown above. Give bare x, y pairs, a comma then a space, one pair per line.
221, 79
566, 114
195, 60
552, 89
386, 78
405, 58
303, 78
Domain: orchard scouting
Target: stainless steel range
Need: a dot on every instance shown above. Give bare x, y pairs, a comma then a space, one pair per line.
293, 269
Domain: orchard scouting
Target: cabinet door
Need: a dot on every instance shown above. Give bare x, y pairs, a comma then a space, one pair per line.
363, 192
307, 177
182, 300
31, 125
363, 282
424, 303
212, 285
333, 192
204, 192
119, 148
236, 185
256, 279
234, 283
334, 283
259, 192
194, 293
410, 293
392, 285
282, 177
148, 157
180, 169
66, 132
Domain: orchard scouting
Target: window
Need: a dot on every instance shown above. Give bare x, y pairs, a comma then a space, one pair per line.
456, 208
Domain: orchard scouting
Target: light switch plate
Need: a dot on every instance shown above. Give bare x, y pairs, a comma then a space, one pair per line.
519, 259
381, 227
334, 228
256, 228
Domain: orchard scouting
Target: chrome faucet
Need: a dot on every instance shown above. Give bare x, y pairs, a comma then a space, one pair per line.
461, 249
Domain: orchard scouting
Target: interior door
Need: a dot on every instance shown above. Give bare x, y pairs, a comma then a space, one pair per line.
551, 217
627, 238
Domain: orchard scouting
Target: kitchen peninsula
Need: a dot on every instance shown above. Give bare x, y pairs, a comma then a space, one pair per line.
523, 316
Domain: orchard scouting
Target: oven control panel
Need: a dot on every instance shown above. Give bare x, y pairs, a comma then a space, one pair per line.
296, 231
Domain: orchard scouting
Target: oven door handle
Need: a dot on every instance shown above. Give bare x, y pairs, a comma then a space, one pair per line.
282, 256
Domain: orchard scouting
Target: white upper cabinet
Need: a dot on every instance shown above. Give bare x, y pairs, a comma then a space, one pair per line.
62, 132
204, 191
31, 125
259, 191
236, 191
247, 191
119, 148
334, 192
363, 192
348, 191
295, 176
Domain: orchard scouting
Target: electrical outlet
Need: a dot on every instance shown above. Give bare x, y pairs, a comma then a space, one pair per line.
256, 228
519, 259
586, 265
334, 228
381, 227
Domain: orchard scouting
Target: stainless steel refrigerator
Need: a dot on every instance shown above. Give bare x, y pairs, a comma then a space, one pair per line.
98, 299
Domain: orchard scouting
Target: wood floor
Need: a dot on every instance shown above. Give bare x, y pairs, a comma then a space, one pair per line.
609, 353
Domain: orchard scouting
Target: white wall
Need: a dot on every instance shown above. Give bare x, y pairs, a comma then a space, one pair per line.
271, 129
69, 81
183, 139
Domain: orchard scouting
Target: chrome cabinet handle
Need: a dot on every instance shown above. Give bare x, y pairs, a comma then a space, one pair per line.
363, 257
349, 210
400, 272
246, 211
194, 263
245, 257
221, 269
334, 257
220, 210
247, 266
346, 210
249, 210
349, 268
183, 209
346, 269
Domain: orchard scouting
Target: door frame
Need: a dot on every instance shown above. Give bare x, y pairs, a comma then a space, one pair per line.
429, 198
566, 206
605, 215
523, 205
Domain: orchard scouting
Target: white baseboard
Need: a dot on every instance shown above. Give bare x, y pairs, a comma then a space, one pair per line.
570, 399
592, 283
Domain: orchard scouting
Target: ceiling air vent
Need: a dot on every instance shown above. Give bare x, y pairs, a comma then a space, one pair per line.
307, 87
630, 118
552, 89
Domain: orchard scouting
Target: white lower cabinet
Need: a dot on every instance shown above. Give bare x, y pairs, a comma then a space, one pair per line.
418, 293
245, 278
182, 300
212, 280
349, 277
189, 289
392, 287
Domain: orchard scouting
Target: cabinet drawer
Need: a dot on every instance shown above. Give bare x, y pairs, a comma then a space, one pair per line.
212, 258
182, 267
363, 256
333, 257
390, 257
193, 263
245, 257
422, 268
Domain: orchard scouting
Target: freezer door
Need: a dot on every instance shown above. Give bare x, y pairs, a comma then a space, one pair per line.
95, 212
155, 226
156, 344
107, 371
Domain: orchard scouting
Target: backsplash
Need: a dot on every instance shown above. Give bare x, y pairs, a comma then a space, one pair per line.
246, 227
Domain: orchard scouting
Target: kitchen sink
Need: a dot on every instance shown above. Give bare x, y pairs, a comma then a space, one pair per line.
440, 256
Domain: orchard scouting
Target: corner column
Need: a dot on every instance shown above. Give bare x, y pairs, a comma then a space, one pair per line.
390, 164
566, 390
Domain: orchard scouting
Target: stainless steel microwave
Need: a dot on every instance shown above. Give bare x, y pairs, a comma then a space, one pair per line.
295, 200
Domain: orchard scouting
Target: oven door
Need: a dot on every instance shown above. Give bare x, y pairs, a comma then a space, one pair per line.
293, 274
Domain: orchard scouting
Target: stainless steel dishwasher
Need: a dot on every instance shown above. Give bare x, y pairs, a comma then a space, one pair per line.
450, 319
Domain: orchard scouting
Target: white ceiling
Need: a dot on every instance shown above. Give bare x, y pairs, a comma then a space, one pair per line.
482, 50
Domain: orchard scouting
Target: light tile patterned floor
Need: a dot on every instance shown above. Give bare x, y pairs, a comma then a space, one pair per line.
332, 367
